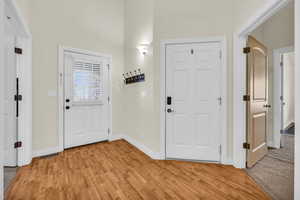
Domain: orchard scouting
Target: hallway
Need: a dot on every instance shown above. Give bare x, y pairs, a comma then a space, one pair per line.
275, 172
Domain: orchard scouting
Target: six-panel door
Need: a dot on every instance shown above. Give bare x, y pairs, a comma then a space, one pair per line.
193, 118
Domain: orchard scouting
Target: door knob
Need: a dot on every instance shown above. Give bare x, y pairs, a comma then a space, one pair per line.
169, 110
67, 107
267, 106
67, 100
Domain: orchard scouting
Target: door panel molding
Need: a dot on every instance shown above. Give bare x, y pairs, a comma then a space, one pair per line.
62, 50
257, 113
223, 53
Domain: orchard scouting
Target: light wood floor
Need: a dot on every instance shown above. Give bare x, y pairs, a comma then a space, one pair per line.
117, 170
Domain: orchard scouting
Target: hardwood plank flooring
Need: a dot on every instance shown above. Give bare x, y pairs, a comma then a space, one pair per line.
117, 170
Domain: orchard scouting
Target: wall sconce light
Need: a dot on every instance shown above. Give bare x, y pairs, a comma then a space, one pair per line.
143, 49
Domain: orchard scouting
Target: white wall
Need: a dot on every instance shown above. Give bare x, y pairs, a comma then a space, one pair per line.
289, 89
95, 25
244, 10
175, 19
277, 32
1, 98
138, 97
297, 100
166, 19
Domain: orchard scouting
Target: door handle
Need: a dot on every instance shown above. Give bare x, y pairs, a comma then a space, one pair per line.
267, 106
67, 100
169, 110
67, 107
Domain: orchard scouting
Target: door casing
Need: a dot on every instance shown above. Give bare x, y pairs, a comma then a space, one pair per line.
239, 74
61, 97
224, 119
277, 90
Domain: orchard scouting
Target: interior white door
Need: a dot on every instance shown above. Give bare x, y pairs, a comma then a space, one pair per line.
86, 100
10, 119
193, 88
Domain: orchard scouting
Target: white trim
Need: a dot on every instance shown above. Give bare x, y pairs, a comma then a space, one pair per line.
24, 40
240, 37
25, 120
45, 152
224, 120
297, 100
2, 104
277, 88
143, 148
115, 136
60, 86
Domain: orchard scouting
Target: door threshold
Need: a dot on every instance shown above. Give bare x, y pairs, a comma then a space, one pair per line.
194, 161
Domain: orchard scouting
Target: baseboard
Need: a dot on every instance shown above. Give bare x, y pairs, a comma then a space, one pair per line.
227, 162
45, 152
143, 148
115, 136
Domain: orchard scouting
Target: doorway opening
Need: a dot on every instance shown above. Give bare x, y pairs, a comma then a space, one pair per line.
17, 90
270, 95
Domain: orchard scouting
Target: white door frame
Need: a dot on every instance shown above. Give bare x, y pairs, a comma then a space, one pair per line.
61, 98
25, 120
24, 64
240, 41
2, 94
277, 90
224, 119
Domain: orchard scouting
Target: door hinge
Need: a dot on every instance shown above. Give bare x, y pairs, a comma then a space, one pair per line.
108, 130
246, 50
108, 66
246, 145
18, 50
220, 149
108, 99
18, 144
220, 55
246, 98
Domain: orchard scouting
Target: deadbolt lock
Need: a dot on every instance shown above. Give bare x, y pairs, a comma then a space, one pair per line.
169, 110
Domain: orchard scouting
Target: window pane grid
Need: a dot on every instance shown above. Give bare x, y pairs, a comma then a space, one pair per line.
87, 82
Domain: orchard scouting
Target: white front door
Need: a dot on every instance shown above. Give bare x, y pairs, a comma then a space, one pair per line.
193, 111
86, 99
10, 119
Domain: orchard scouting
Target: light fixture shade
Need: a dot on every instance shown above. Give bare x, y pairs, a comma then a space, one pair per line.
143, 49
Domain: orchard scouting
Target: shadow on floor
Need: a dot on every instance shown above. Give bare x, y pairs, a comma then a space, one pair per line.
275, 172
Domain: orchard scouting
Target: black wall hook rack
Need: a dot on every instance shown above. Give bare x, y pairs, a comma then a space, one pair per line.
134, 77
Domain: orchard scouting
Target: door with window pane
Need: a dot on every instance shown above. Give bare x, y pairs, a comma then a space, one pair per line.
86, 99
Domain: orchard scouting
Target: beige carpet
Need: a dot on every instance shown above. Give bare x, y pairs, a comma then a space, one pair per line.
275, 172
